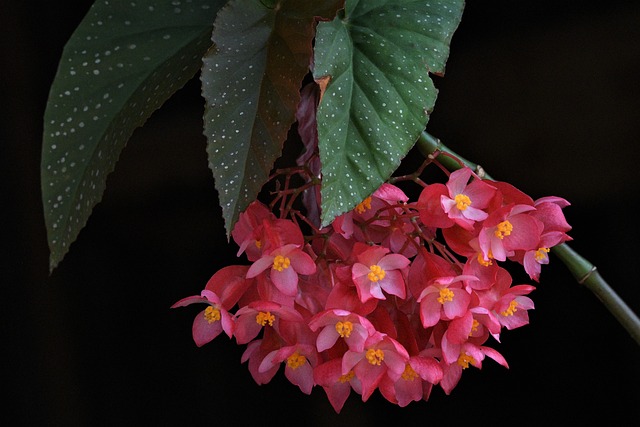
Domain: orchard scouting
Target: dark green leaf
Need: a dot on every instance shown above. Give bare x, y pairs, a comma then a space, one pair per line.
251, 81
376, 59
122, 62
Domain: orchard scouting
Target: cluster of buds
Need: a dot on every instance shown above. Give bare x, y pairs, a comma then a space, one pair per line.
395, 296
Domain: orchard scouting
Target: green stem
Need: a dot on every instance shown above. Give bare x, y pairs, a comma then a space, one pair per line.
584, 272
432, 147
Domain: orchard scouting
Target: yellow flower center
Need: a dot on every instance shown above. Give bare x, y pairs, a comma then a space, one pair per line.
346, 377
446, 295
376, 273
344, 328
462, 201
465, 359
482, 261
212, 314
280, 263
375, 357
541, 253
409, 374
512, 309
503, 229
296, 360
263, 318
364, 205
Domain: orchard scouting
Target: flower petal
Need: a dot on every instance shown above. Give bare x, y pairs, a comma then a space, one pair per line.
286, 281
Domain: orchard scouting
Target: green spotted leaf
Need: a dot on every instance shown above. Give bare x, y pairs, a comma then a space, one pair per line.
375, 61
123, 62
251, 82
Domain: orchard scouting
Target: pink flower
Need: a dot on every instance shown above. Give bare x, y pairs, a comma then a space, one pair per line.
506, 304
336, 385
511, 308
415, 383
534, 259
549, 213
285, 264
376, 271
459, 330
211, 321
430, 206
300, 360
258, 231
316, 287
507, 194
230, 284
397, 237
444, 299
427, 267
469, 354
255, 353
246, 232
344, 296
335, 324
465, 202
251, 319
381, 355
508, 229
321, 304
380, 202
384, 204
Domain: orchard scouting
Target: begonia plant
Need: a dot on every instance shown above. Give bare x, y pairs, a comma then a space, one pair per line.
350, 277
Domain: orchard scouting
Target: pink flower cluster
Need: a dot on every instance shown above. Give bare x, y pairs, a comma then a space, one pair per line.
376, 301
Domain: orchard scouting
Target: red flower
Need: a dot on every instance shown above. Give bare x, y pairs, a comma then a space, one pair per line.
211, 321
445, 298
251, 319
376, 271
508, 229
286, 263
381, 355
335, 324
420, 374
299, 362
336, 384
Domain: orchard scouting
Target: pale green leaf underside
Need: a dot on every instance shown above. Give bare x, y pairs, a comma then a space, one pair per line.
122, 62
251, 81
378, 57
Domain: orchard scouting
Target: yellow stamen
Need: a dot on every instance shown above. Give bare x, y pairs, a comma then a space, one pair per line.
465, 359
474, 327
296, 360
462, 201
364, 205
258, 244
512, 309
280, 263
346, 377
409, 374
446, 295
263, 318
375, 357
482, 261
376, 273
212, 314
541, 253
344, 328
503, 229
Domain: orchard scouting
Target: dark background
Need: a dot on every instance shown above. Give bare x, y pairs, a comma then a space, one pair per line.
543, 94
